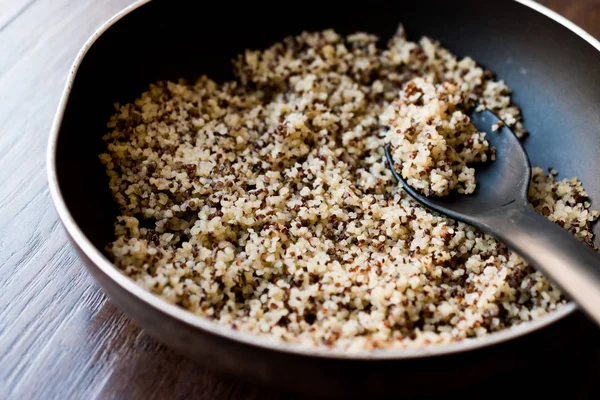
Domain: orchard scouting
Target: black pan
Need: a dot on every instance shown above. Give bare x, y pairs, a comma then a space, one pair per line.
553, 66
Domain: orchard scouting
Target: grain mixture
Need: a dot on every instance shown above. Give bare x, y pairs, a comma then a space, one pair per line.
265, 204
432, 139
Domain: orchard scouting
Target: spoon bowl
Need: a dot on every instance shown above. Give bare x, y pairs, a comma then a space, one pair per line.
499, 183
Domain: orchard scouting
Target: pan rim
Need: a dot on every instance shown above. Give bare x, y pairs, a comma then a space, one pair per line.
209, 327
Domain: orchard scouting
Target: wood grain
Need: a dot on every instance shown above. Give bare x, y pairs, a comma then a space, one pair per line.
59, 336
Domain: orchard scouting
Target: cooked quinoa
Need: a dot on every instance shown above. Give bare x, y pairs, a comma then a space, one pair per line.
264, 203
431, 138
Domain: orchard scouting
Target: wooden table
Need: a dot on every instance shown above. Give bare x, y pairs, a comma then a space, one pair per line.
59, 336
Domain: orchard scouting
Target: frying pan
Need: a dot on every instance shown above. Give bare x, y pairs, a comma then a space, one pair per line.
552, 65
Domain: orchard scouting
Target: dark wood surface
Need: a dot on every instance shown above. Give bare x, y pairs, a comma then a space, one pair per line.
59, 335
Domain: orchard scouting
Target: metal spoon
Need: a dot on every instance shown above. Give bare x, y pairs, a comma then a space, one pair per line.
499, 207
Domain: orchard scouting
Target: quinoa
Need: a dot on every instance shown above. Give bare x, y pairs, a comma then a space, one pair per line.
432, 140
264, 203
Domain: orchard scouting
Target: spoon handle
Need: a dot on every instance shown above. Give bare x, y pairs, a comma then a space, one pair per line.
567, 261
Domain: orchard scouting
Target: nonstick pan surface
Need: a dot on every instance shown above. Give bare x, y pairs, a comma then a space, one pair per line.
553, 67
